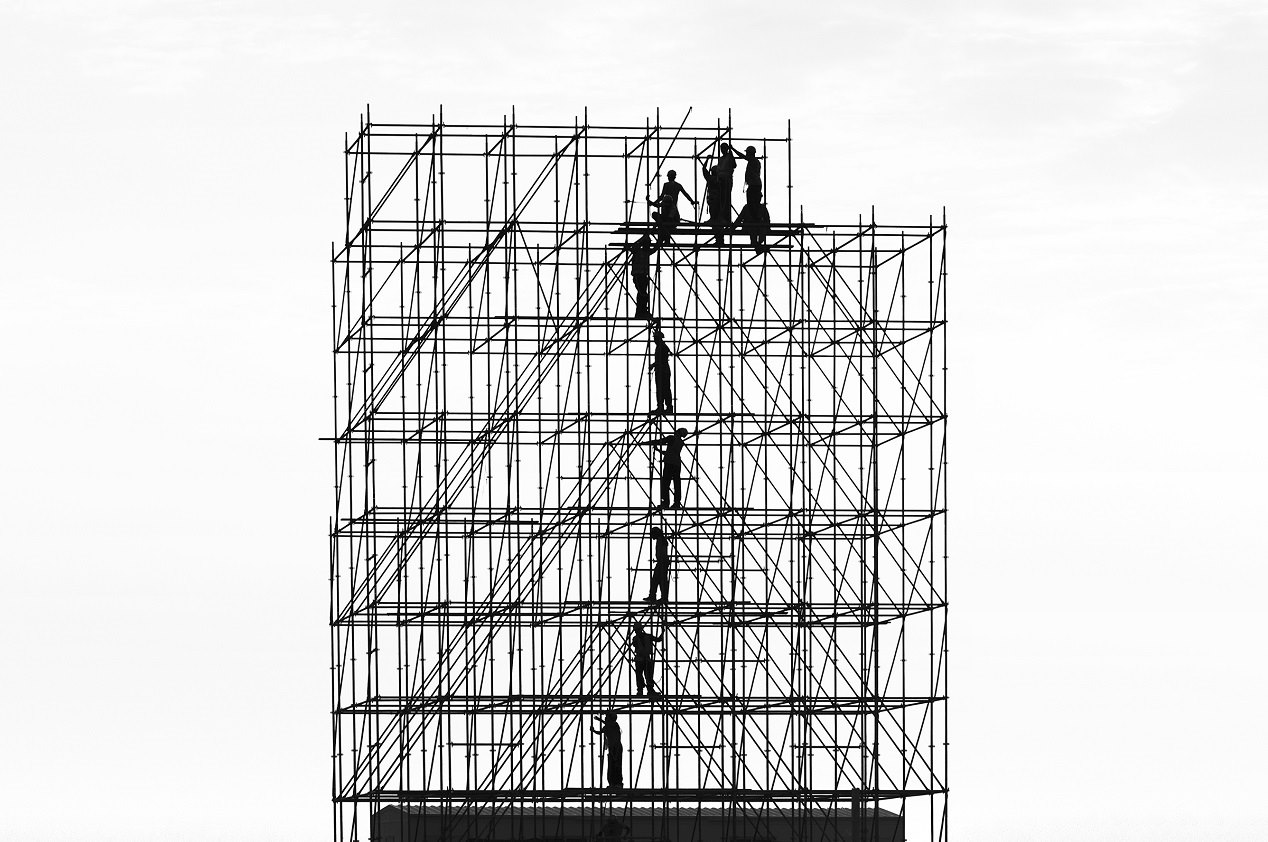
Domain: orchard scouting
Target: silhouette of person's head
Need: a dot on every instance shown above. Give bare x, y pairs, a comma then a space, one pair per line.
750, 152
657, 532
672, 175
644, 241
681, 432
638, 627
610, 717
726, 149
658, 334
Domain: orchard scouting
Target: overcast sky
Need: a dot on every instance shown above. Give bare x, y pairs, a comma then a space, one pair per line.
172, 182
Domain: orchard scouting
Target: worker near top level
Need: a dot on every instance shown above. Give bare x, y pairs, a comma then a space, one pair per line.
666, 216
752, 176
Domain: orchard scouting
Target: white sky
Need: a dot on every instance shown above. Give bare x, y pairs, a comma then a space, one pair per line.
172, 183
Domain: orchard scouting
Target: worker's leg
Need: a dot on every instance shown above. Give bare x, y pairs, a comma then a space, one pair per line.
664, 489
641, 673
614, 770
664, 398
660, 582
677, 479
641, 298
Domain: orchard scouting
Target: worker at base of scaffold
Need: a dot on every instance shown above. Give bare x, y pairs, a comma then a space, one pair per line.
611, 733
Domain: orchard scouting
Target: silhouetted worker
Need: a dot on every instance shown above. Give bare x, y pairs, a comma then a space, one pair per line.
641, 270
666, 216
661, 371
718, 198
726, 171
671, 467
611, 732
754, 220
660, 571
644, 646
752, 176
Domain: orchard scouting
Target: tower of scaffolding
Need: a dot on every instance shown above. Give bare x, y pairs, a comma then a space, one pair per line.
499, 449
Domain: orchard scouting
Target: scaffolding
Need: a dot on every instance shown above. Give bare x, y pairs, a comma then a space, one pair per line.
497, 477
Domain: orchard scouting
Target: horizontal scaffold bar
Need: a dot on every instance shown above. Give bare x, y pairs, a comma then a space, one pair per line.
603, 429
664, 795
674, 704
599, 521
843, 342
591, 613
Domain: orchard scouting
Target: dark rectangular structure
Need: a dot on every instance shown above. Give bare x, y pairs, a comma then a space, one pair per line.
410, 823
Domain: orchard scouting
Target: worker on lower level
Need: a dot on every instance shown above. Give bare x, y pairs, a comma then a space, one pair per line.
611, 732
644, 646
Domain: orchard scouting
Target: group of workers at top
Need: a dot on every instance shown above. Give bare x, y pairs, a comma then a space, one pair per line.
753, 220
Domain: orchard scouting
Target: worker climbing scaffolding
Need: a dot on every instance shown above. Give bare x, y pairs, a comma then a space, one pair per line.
643, 649
662, 373
660, 569
671, 466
